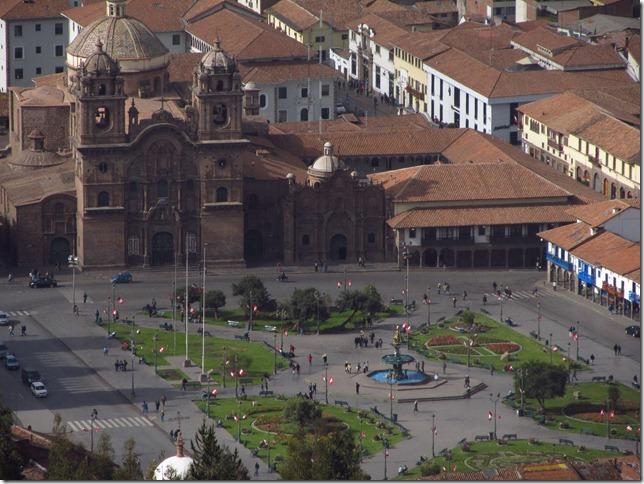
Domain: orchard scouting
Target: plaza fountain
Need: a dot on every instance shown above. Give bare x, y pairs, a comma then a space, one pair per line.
396, 374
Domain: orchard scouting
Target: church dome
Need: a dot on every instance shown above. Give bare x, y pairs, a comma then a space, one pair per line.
218, 60
100, 63
125, 39
175, 467
326, 164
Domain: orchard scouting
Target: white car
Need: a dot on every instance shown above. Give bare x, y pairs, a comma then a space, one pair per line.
4, 318
38, 389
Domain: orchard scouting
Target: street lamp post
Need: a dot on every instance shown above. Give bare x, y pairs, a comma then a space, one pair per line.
179, 420
73, 263
132, 344
522, 389
550, 347
155, 339
391, 395
495, 400
203, 315
433, 433
428, 301
326, 383
275, 354
317, 298
538, 321
386, 449
113, 315
93, 419
174, 307
186, 362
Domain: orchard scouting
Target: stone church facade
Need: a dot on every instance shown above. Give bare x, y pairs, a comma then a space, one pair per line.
122, 180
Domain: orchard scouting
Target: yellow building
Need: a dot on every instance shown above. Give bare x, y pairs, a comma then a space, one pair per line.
410, 51
577, 134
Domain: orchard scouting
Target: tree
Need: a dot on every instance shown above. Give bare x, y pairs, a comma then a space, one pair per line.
373, 302
334, 456
304, 305
11, 461
542, 381
215, 300
103, 461
148, 474
131, 465
66, 461
252, 291
212, 461
304, 412
194, 294
468, 318
613, 396
353, 300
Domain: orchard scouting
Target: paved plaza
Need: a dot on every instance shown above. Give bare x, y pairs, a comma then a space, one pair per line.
69, 351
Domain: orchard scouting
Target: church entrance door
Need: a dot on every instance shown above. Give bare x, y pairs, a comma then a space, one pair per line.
59, 251
338, 250
253, 246
162, 249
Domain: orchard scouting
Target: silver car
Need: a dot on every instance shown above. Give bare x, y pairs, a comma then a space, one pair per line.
38, 389
11, 362
4, 318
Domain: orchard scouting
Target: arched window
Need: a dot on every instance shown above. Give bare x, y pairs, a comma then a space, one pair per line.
253, 201
103, 199
102, 90
262, 101
371, 238
219, 86
375, 163
222, 194
102, 118
162, 189
622, 192
629, 194
219, 114
304, 114
102, 167
132, 187
306, 240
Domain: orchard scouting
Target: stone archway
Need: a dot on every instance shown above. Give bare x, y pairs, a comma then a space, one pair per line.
596, 185
59, 251
253, 245
446, 257
430, 258
162, 249
338, 247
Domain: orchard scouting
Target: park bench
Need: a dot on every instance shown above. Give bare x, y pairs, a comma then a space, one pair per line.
395, 300
242, 337
599, 378
268, 327
444, 452
200, 331
534, 335
442, 318
587, 432
576, 395
266, 393
485, 311
635, 385
166, 326
611, 447
255, 452
375, 410
462, 441
233, 324
478, 438
509, 437
567, 442
342, 403
585, 360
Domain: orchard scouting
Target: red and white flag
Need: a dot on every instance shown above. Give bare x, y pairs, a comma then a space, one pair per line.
602, 413
489, 415
629, 428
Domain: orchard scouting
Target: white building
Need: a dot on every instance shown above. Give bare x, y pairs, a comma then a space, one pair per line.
33, 39
258, 5
340, 60
598, 257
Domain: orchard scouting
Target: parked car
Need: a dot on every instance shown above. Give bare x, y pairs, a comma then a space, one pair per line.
11, 362
38, 389
633, 331
47, 281
29, 375
4, 318
122, 277
3, 350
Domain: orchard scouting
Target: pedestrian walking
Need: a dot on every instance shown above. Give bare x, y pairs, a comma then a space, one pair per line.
124, 365
592, 359
310, 359
145, 406
619, 350
257, 468
454, 302
184, 384
438, 287
315, 388
76, 313
415, 406
444, 367
163, 400
157, 404
116, 365
11, 332
422, 366
554, 286
84, 298
23, 330
105, 350
491, 369
98, 316
357, 388
615, 349
162, 416
172, 435
464, 295
494, 285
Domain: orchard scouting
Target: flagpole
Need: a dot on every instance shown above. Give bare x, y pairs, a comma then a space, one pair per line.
186, 363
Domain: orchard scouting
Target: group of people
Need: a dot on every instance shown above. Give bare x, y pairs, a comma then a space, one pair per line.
360, 366
12, 332
313, 389
362, 341
617, 349
120, 365
317, 266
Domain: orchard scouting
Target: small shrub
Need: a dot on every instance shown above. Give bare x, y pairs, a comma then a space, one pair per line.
429, 469
533, 441
563, 425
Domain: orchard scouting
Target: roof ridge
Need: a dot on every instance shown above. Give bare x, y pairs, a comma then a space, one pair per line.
409, 180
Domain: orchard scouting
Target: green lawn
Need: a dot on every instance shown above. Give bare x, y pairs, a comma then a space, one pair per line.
255, 358
480, 354
337, 322
483, 455
584, 413
270, 409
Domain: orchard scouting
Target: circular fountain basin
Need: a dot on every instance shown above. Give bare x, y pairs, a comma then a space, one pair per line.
398, 359
413, 377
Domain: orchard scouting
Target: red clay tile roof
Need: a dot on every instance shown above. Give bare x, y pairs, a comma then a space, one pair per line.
474, 182
246, 38
615, 137
623, 102
493, 215
589, 56
276, 72
545, 37
556, 471
384, 30
351, 123
437, 6
568, 236
474, 147
293, 14
157, 15
19, 9
596, 214
634, 47
423, 45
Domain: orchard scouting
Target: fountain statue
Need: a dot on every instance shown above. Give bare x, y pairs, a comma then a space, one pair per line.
398, 375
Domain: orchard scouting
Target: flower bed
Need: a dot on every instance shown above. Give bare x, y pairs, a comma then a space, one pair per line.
454, 350
500, 348
444, 340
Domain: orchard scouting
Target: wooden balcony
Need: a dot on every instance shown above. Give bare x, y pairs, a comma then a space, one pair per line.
555, 145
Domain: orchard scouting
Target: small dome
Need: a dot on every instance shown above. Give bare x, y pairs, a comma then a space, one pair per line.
290, 176
175, 467
327, 163
99, 63
218, 59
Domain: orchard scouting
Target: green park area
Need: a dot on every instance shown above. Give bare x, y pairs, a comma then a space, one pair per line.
580, 408
267, 424
477, 456
255, 359
482, 341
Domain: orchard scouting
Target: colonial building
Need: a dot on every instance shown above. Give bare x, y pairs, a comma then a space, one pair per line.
598, 257
118, 179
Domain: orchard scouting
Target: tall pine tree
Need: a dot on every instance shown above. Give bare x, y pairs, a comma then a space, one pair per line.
11, 461
130, 469
212, 461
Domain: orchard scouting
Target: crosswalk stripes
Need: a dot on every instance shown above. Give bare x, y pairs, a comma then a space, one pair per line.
521, 295
109, 423
18, 313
